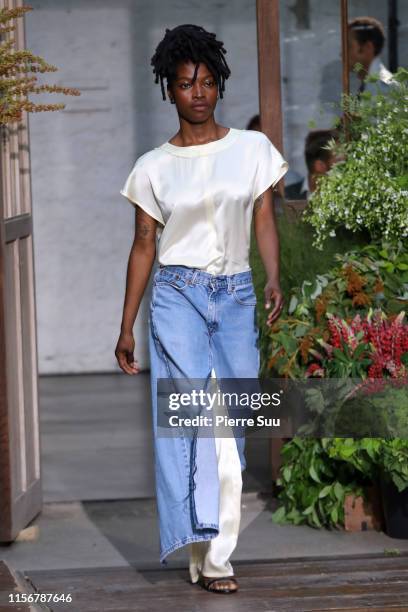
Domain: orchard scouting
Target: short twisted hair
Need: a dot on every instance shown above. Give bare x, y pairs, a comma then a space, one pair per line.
189, 43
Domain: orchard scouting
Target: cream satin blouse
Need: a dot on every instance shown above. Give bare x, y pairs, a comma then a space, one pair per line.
203, 196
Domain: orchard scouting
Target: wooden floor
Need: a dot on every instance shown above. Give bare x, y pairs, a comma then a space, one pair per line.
355, 583
8, 586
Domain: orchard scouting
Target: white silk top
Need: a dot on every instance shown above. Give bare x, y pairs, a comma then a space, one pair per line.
202, 197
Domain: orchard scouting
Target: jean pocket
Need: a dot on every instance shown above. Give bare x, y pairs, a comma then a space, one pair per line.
245, 294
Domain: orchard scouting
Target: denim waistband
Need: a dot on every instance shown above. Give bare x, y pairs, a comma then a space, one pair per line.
195, 276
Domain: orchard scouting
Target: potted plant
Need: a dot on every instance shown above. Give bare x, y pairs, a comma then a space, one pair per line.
316, 487
374, 349
394, 485
388, 460
348, 322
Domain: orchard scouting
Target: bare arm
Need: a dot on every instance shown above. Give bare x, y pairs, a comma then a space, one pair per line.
267, 239
141, 259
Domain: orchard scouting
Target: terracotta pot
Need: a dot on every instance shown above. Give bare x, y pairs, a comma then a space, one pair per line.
364, 515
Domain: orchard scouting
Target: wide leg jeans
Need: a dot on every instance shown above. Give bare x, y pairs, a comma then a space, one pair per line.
200, 324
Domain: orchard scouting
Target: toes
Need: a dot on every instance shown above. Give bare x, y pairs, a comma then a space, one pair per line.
223, 585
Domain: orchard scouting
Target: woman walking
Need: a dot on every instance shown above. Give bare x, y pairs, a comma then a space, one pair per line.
195, 198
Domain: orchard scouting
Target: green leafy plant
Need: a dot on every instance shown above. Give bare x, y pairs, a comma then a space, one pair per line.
318, 474
374, 455
365, 190
321, 463
314, 478
15, 65
314, 486
394, 460
368, 187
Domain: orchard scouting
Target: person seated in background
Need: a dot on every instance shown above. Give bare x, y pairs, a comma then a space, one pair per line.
293, 180
366, 41
254, 123
318, 159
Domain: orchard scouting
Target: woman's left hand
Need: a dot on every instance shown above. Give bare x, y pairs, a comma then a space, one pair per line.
273, 292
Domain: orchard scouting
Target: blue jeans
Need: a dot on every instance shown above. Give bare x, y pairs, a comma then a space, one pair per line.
198, 322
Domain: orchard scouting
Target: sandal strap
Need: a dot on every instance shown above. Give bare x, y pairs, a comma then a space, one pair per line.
210, 582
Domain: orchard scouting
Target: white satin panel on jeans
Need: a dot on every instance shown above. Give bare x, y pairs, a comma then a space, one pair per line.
211, 557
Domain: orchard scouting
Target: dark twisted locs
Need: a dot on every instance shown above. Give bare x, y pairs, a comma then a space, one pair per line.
189, 42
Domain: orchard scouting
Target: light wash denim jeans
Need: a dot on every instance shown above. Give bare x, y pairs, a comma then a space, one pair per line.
198, 322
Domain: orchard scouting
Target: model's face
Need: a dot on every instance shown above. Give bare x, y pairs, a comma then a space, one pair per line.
196, 101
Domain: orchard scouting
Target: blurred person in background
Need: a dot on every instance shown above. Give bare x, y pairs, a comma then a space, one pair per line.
319, 159
366, 42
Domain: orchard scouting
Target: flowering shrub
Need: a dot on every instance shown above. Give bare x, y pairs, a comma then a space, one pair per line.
317, 474
315, 340
369, 187
371, 347
299, 262
349, 322
375, 276
390, 342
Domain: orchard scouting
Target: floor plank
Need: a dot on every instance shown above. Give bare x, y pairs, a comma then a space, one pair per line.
356, 584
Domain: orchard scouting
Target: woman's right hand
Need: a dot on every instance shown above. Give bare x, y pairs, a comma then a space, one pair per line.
124, 354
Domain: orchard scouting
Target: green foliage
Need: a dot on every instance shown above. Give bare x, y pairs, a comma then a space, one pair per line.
314, 486
391, 406
370, 456
317, 474
362, 454
370, 276
394, 460
364, 194
313, 470
368, 188
299, 261
384, 269
380, 413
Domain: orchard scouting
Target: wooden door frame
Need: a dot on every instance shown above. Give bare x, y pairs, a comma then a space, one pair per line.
20, 476
270, 107
5, 458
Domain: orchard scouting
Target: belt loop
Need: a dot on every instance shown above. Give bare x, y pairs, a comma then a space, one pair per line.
193, 278
230, 285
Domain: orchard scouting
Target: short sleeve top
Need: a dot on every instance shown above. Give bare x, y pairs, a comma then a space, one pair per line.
203, 195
